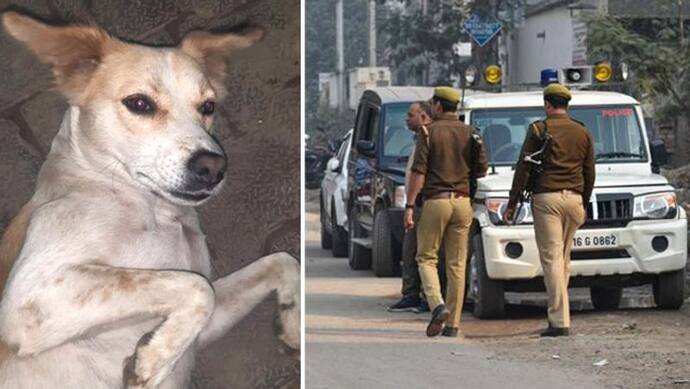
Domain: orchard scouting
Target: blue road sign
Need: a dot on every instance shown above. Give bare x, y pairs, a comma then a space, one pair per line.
481, 31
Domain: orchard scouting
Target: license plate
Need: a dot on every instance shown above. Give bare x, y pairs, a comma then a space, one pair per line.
595, 240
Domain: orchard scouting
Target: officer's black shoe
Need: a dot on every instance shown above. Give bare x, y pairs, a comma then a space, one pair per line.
406, 304
451, 332
555, 331
438, 317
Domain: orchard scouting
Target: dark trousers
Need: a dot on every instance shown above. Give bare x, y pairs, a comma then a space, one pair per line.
411, 283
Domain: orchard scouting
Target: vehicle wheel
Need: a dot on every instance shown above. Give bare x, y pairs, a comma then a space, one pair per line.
326, 238
605, 298
489, 300
384, 259
669, 289
339, 236
359, 257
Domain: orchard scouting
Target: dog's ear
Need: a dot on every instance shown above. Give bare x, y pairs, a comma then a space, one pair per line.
211, 50
74, 52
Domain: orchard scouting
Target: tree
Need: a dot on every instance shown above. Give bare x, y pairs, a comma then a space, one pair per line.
421, 35
654, 51
419, 40
322, 123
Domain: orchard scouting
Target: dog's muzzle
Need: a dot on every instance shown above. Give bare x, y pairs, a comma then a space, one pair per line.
205, 170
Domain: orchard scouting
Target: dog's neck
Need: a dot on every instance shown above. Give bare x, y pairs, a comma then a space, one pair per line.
69, 145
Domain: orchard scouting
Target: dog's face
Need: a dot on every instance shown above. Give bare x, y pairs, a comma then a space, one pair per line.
153, 111
149, 110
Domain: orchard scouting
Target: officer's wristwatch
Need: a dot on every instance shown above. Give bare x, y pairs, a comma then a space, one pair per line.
409, 206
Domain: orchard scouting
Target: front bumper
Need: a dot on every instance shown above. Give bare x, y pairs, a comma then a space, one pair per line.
635, 239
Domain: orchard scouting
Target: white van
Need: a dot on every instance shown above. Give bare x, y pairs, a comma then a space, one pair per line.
636, 233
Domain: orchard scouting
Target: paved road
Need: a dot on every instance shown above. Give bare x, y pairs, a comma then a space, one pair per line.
352, 342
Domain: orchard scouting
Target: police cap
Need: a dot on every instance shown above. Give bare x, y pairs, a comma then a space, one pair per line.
557, 89
447, 93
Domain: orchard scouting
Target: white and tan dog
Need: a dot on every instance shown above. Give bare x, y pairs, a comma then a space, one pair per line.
109, 281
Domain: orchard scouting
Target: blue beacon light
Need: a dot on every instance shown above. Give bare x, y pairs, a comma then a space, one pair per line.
549, 76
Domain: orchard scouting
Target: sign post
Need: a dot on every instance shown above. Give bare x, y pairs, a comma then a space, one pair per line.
481, 31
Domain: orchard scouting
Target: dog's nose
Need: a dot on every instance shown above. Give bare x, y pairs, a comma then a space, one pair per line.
207, 168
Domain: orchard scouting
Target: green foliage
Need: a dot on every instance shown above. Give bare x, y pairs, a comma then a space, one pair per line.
652, 48
415, 40
320, 57
328, 124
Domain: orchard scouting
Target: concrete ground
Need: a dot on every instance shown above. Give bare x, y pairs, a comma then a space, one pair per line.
353, 342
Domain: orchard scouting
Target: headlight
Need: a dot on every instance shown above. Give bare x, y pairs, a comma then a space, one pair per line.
470, 75
603, 72
492, 74
624, 71
400, 197
656, 206
497, 207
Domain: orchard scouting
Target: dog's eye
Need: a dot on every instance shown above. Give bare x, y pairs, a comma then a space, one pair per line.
207, 107
139, 104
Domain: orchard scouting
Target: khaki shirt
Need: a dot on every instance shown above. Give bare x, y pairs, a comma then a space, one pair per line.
569, 165
448, 155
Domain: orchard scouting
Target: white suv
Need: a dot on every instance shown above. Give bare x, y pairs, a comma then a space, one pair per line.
333, 209
635, 233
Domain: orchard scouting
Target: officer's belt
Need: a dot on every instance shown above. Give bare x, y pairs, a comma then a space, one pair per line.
564, 191
446, 195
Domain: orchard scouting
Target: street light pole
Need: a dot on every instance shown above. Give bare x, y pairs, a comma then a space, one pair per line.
680, 21
340, 54
372, 33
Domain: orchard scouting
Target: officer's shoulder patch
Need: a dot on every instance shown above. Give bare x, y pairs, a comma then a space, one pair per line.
538, 127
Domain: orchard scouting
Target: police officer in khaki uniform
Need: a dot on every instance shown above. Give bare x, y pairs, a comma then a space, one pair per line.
443, 163
560, 197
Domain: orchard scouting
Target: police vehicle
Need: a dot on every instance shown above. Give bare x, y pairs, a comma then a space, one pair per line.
635, 233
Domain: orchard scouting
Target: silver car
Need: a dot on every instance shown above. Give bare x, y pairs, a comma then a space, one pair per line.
333, 208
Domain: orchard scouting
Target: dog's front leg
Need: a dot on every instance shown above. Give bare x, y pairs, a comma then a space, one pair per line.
238, 293
90, 298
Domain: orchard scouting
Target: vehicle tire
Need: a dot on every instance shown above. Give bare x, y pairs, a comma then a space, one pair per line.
339, 236
359, 257
384, 258
669, 289
326, 238
604, 299
488, 296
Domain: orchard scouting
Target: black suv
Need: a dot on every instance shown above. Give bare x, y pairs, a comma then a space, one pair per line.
381, 145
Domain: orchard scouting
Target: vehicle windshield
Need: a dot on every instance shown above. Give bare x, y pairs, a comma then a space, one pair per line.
398, 140
615, 130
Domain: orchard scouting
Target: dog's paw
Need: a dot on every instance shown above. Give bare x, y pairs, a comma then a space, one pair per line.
140, 370
288, 325
130, 378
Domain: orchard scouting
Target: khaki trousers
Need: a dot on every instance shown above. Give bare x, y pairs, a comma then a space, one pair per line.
557, 215
446, 220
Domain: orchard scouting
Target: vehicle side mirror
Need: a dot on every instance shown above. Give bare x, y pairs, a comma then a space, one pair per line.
366, 147
333, 165
659, 154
